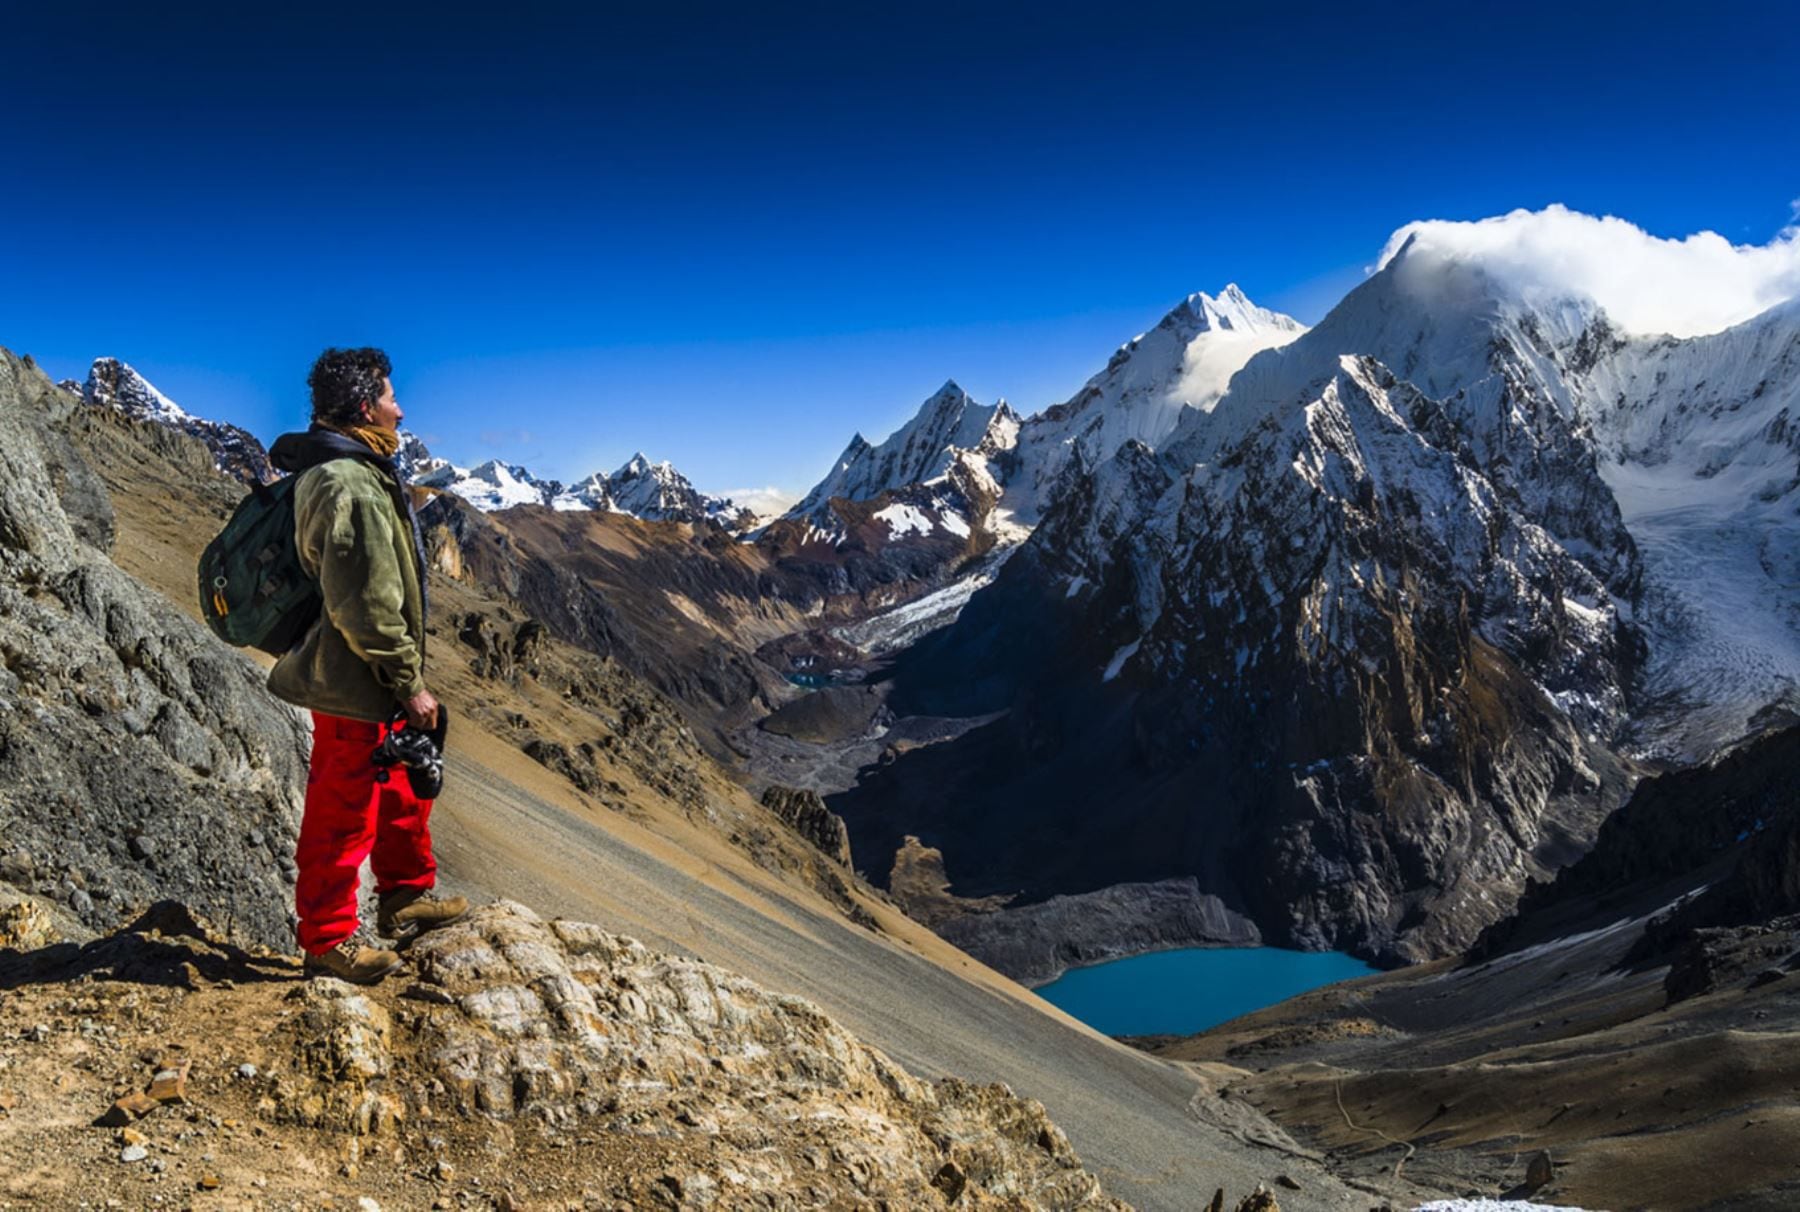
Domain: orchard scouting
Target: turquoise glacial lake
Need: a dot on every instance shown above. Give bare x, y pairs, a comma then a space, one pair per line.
1181, 992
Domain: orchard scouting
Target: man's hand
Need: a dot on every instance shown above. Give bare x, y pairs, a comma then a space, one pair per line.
421, 711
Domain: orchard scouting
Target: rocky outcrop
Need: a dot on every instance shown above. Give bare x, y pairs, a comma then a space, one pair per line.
1709, 958
564, 1023
504, 650
138, 757
1035, 944
519, 1063
550, 1059
805, 813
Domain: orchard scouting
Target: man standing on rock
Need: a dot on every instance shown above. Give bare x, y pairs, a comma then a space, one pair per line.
360, 670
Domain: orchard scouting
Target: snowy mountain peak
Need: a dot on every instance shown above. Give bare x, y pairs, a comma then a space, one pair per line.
114, 384
1230, 311
922, 451
637, 465
950, 393
657, 492
1182, 366
488, 486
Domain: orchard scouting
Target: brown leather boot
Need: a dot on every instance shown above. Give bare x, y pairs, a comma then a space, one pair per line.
349, 961
406, 913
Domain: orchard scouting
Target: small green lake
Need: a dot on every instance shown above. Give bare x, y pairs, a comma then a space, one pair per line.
1188, 990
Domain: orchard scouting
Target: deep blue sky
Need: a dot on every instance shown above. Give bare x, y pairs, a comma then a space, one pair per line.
732, 237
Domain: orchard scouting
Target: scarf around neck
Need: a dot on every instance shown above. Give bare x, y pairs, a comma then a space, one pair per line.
383, 442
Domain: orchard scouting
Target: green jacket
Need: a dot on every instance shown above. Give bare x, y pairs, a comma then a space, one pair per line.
367, 651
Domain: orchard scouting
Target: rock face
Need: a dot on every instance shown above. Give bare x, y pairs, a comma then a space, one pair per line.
565, 1025
805, 813
138, 757
504, 650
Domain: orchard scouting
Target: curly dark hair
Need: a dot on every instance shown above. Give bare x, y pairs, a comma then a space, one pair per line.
343, 380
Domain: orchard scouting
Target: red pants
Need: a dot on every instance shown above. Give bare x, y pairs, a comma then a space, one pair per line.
350, 817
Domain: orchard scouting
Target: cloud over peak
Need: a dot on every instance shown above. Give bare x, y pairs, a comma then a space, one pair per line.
1647, 284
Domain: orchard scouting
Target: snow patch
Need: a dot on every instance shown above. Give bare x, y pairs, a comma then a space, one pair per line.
903, 520
1119, 658
904, 625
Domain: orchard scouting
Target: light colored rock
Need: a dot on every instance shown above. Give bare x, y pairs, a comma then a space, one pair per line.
562, 1023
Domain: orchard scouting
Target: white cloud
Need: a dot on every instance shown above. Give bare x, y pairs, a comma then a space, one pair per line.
1647, 284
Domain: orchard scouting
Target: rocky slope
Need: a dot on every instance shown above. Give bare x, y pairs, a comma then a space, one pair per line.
139, 758
523, 1063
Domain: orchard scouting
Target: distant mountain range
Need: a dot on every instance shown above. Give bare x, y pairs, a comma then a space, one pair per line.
655, 492
652, 491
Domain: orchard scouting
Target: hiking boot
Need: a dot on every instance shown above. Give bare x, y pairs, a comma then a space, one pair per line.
405, 914
350, 961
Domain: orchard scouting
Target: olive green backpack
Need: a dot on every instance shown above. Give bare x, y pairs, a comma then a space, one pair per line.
253, 591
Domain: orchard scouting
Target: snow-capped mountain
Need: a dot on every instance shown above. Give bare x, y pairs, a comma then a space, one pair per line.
491, 485
962, 479
1182, 365
113, 384
983, 467
655, 492
1667, 466
922, 451
1360, 640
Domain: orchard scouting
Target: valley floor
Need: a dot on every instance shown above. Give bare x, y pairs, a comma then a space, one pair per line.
1458, 1076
